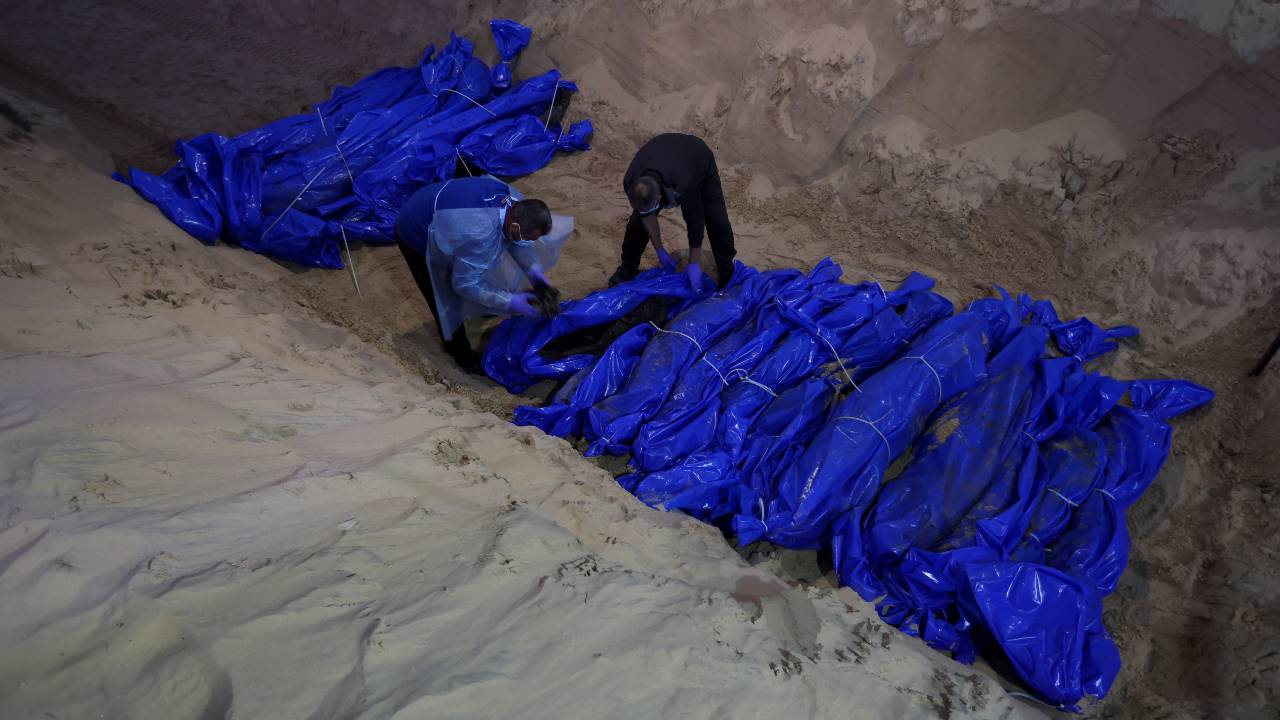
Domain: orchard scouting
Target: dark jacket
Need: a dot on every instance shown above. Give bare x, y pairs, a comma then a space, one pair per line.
680, 163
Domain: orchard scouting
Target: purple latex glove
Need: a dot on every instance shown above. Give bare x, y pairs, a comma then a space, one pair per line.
665, 259
522, 304
695, 276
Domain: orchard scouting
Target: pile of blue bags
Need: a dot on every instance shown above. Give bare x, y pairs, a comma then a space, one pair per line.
966, 470
299, 187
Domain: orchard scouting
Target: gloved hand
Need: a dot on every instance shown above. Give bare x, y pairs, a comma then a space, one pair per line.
546, 299
537, 276
693, 273
665, 259
524, 304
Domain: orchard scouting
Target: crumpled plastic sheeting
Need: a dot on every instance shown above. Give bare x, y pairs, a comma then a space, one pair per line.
296, 188
967, 471
513, 356
742, 477
613, 423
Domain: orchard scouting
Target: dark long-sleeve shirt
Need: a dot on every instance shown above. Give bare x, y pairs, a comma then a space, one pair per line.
679, 162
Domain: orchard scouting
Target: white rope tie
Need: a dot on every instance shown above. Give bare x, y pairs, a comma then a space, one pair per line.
351, 263
552, 108
936, 376
883, 294
744, 377
1037, 538
343, 157
296, 198
464, 162
564, 125
677, 332
1030, 437
473, 100
1064, 498
836, 355
337, 146
840, 361
865, 421
723, 380
762, 522
1104, 492
742, 374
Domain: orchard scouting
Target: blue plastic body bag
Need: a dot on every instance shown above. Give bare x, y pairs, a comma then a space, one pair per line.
299, 187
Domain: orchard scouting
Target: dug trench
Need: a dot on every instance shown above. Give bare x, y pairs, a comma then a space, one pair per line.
1117, 159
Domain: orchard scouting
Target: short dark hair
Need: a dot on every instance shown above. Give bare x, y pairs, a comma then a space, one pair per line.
533, 216
643, 192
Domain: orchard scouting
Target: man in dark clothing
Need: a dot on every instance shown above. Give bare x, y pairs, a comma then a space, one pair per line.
675, 169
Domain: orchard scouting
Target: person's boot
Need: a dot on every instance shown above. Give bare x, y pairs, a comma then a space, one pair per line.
621, 275
467, 360
459, 348
472, 365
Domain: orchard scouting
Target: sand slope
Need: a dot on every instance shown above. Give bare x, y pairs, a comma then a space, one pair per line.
215, 505
1117, 156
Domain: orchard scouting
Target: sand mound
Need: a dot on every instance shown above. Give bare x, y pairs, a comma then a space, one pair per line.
1116, 156
216, 504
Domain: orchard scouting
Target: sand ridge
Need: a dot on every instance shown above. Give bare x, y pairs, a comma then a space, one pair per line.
218, 504
1116, 157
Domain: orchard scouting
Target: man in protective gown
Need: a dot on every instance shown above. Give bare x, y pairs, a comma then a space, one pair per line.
455, 235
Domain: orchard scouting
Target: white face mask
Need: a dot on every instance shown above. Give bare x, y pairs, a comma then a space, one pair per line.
657, 205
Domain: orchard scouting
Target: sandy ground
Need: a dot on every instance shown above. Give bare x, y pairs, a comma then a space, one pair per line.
1122, 158
215, 504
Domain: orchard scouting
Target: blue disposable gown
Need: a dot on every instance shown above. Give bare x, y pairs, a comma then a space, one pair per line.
457, 225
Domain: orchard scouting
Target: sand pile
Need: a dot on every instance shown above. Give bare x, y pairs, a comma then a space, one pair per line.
216, 504
1118, 157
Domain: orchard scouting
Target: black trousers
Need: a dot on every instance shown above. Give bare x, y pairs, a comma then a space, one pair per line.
459, 347
716, 218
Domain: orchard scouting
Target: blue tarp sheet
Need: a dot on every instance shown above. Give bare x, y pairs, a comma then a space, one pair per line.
295, 188
967, 471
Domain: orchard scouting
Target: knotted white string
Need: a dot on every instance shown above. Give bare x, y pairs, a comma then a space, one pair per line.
744, 377
723, 380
